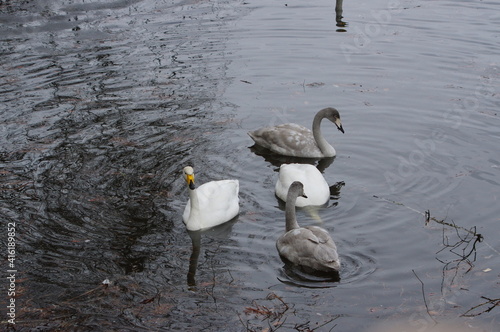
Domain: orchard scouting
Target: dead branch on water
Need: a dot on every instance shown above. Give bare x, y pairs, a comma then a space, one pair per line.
494, 303
276, 317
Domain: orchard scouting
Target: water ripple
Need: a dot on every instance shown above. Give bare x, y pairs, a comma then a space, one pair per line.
355, 267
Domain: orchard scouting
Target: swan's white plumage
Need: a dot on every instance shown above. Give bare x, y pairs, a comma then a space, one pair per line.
297, 141
311, 247
315, 186
211, 204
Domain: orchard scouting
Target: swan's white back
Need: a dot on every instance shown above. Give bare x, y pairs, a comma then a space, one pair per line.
218, 202
315, 186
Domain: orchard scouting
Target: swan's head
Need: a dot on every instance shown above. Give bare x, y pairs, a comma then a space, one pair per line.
297, 188
333, 115
189, 176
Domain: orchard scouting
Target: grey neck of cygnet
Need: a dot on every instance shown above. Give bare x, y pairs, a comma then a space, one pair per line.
323, 145
291, 220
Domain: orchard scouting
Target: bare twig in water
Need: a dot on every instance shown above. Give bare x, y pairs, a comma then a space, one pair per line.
463, 241
428, 218
272, 296
275, 317
246, 325
423, 295
494, 303
467, 245
306, 328
268, 313
232, 278
104, 285
272, 315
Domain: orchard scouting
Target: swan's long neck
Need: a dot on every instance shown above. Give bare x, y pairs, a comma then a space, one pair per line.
291, 220
195, 207
323, 145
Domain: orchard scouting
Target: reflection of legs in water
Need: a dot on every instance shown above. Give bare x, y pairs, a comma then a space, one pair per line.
193, 260
338, 13
338, 10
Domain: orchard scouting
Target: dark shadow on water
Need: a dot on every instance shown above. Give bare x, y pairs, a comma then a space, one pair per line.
291, 274
277, 160
355, 266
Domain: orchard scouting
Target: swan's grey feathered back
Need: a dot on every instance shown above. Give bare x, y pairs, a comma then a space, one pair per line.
310, 247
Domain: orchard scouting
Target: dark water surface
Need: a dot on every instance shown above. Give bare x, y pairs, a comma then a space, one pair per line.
103, 103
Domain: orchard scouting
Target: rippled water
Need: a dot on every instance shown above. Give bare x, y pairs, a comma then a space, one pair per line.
104, 103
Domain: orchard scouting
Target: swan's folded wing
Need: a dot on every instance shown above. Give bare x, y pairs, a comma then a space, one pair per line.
219, 199
326, 254
321, 234
286, 139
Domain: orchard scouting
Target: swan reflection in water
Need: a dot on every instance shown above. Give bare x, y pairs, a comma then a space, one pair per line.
193, 260
277, 160
222, 232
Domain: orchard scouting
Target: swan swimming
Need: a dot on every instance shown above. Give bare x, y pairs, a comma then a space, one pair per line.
318, 191
211, 204
308, 247
297, 141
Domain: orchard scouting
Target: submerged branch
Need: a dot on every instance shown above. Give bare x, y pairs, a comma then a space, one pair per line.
423, 295
276, 317
471, 236
428, 218
467, 243
494, 303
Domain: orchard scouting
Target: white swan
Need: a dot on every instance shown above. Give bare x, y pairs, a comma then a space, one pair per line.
317, 189
211, 204
297, 141
309, 247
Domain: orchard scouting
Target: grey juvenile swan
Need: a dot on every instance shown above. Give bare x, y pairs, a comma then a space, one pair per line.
294, 140
308, 247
